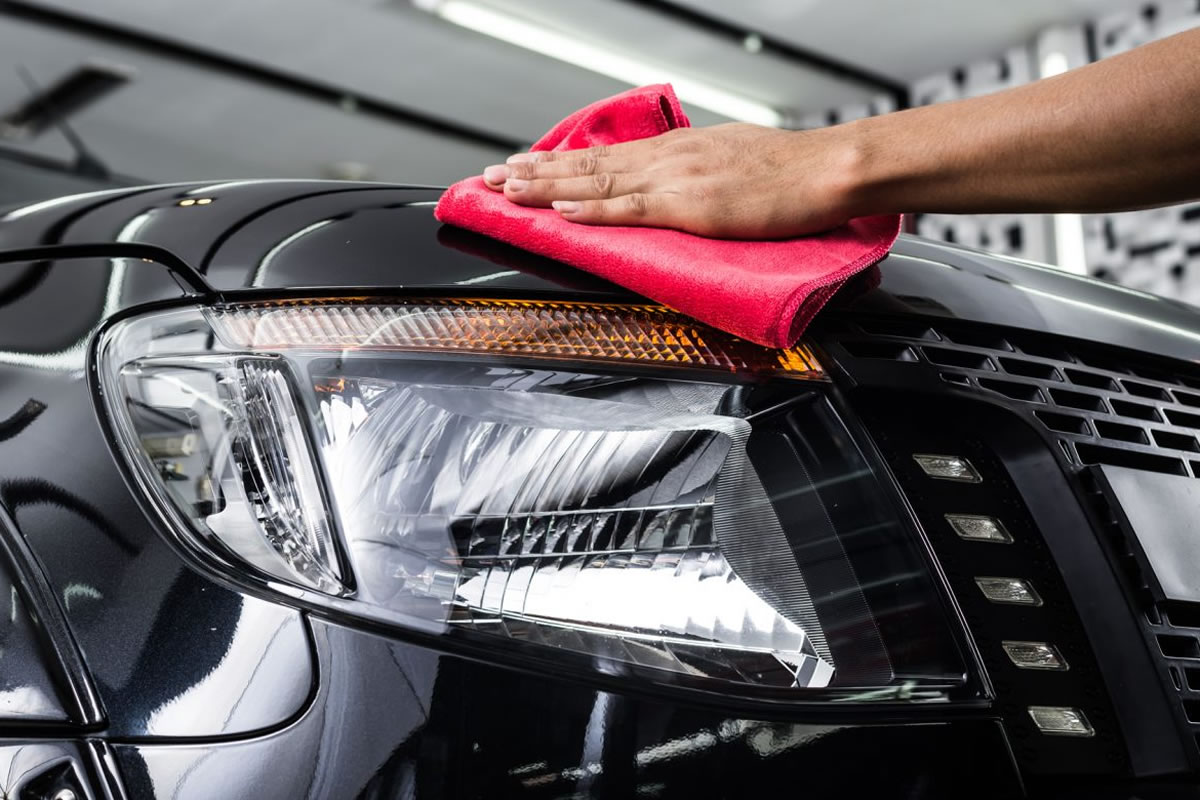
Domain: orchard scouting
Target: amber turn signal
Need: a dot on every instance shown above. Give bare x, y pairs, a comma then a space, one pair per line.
624, 333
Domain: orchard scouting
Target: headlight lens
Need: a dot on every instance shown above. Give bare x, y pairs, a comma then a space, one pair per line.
611, 482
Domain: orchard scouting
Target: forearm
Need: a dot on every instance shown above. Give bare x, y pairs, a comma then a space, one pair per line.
1119, 134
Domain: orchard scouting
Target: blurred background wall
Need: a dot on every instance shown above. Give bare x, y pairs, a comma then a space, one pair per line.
100, 93
1156, 250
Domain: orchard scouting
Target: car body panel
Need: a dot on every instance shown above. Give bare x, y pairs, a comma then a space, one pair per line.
204, 688
395, 720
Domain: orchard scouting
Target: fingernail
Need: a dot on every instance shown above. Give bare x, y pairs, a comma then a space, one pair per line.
497, 173
516, 185
522, 157
566, 206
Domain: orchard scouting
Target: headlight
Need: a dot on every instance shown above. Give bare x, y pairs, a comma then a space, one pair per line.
609, 484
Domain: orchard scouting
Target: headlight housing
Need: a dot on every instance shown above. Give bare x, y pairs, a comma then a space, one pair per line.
611, 486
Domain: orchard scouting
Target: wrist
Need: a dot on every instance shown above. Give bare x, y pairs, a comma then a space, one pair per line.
869, 172
840, 168
881, 174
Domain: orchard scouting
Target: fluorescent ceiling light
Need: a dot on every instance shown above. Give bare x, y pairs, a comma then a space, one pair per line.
554, 44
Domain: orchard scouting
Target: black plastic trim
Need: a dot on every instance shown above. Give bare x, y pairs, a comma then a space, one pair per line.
1111, 623
189, 279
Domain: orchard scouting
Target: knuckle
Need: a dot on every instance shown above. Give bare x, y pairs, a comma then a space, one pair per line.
586, 164
522, 169
680, 141
637, 204
602, 183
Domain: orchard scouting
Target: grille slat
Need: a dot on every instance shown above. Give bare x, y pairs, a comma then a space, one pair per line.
1091, 379
1030, 369
1124, 408
1105, 408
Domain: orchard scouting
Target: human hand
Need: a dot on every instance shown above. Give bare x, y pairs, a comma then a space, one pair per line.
733, 181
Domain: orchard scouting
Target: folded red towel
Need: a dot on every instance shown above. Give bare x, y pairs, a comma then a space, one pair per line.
763, 291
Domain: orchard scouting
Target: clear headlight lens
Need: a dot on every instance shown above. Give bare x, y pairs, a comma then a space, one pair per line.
547, 475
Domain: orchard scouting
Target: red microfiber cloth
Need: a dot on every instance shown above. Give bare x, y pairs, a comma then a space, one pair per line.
763, 291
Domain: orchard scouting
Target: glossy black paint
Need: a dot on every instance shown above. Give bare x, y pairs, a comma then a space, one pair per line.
202, 691
170, 653
459, 728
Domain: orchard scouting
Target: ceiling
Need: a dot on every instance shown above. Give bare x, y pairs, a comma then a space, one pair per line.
181, 118
907, 39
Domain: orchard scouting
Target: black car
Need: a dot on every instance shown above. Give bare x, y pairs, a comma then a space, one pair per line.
307, 496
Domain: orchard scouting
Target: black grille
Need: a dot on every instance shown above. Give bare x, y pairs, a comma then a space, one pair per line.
1105, 408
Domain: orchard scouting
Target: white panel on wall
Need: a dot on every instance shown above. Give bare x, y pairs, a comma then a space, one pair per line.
1125, 30
1020, 235
1012, 68
1156, 250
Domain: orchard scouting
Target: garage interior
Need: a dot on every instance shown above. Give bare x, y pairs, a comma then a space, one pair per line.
426, 91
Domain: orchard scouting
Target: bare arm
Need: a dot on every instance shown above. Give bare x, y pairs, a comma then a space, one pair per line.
1119, 134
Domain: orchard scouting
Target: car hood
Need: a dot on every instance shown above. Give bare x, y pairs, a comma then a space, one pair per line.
285, 234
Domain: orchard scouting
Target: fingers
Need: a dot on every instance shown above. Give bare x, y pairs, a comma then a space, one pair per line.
608, 185
548, 164
630, 209
601, 186
495, 176
582, 167
579, 167
549, 156
597, 152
